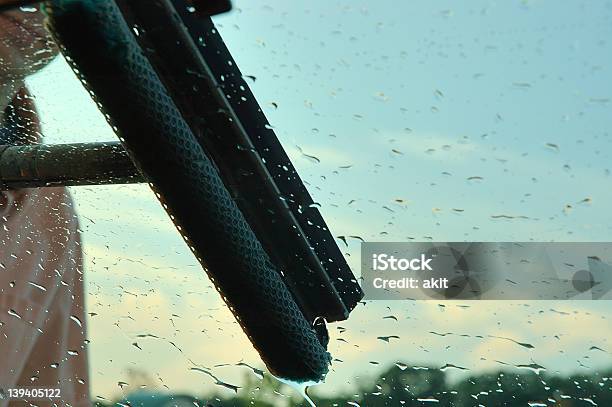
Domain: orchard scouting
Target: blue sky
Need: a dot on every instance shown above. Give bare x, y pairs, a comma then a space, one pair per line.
402, 102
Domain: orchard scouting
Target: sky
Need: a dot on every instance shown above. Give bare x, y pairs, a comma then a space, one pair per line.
427, 119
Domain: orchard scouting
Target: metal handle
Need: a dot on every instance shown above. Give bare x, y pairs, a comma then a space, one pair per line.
44, 165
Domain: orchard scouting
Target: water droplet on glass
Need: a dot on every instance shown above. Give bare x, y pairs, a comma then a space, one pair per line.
76, 320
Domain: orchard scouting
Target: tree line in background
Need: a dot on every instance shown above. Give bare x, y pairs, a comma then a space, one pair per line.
406, 386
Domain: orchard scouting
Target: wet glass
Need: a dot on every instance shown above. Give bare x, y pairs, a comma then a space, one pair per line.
409, 121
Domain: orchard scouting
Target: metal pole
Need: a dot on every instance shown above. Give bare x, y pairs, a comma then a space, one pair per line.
45, 165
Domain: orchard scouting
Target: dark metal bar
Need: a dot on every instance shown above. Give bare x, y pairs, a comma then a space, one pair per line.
46, 165
16, 4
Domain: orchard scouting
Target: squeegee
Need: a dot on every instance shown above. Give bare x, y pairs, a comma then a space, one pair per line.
185, 117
